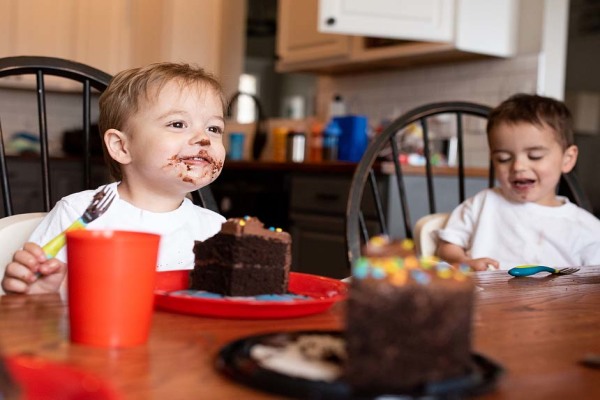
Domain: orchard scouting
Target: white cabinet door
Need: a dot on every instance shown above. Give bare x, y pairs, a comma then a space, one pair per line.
427, 20
499, 27
494, 27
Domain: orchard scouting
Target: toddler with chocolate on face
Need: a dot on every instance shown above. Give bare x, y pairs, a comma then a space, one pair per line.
162, 132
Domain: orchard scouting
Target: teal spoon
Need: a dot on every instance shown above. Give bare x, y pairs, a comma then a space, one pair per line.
527, 270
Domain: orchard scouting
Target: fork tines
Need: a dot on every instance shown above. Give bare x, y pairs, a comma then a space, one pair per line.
569, 270
100, 203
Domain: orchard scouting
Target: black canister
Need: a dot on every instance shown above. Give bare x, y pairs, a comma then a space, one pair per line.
296, 146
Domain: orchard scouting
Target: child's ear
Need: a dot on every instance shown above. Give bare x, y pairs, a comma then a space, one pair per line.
569, 159
116, 144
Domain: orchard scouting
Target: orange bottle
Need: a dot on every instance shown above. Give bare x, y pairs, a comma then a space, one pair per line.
315, 153
279, 143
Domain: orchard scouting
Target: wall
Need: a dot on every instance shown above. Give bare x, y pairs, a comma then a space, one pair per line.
388, 94
582, 87
18, 112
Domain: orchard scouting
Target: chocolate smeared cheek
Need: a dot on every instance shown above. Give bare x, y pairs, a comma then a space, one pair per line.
217, 166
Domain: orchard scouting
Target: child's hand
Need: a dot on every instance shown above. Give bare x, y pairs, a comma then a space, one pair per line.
32, 272
482, 264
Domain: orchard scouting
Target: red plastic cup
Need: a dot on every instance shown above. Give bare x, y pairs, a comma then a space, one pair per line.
111, 278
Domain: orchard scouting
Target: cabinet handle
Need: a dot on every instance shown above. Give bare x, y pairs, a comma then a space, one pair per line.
330, 21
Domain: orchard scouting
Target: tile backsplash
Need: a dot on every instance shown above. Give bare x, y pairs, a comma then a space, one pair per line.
385, 95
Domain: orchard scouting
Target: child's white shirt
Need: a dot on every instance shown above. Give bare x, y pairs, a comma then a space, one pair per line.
488, 225
178, 228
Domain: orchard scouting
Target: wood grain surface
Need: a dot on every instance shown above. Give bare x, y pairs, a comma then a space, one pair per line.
538, 328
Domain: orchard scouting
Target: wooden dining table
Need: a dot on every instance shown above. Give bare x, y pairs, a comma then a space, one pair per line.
538, 329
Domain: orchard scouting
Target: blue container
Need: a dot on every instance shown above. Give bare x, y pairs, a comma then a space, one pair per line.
354, 139
236, 146
331, 139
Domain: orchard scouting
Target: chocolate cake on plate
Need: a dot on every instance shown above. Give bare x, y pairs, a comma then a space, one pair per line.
243, 259
408, 320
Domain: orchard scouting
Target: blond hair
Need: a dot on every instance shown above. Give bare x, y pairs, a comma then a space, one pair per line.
128, 89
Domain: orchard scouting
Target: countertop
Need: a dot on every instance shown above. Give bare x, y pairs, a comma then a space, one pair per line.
326, 167
346, 167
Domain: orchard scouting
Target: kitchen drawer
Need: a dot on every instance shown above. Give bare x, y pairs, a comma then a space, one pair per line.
329, 194
319, 244
322, 194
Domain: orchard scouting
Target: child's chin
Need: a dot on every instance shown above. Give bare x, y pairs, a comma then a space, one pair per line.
517, 197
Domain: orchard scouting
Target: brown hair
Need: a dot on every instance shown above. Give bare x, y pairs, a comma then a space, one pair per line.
536, 110
128, 89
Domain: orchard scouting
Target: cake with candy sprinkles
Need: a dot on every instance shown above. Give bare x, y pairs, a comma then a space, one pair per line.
243, 259
408, 320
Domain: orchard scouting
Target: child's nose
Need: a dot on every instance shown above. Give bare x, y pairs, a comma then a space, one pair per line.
519, 164
201, 137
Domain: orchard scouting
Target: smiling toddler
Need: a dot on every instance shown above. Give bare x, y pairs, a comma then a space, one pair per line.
523, 221
162, 129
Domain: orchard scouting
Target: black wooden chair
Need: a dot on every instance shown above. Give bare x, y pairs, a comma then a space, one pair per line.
384, 208
89, 82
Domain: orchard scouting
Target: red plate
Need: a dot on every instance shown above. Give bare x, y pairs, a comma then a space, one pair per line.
323, 292
41, 379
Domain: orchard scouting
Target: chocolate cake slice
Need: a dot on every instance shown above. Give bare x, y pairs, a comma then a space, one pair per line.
408, 320
243, 259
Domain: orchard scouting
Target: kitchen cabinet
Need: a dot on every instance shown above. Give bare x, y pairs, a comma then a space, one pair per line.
493, 27
302, 48
318, 223
102, 33
41, 27
113, 35
298, 38
318, 214
424, 20
91, 32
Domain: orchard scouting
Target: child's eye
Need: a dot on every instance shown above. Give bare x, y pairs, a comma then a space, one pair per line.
177, 124
216, 129
502, 160
535, 157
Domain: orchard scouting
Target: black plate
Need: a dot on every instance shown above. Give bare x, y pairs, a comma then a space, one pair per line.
237, 362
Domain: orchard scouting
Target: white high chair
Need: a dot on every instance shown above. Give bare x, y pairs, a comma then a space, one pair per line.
14, 232
424, 233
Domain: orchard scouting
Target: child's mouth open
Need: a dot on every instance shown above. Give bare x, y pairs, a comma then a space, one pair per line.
195, 167
523, 184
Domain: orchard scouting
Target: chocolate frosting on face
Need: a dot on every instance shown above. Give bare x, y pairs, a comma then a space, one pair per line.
252, 226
